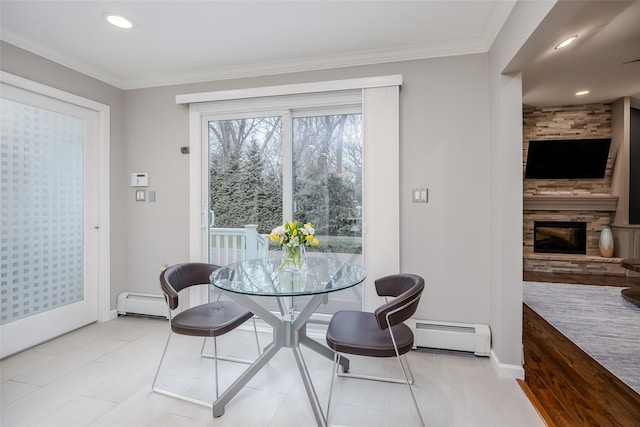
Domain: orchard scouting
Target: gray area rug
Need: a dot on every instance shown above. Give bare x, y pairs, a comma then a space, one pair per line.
597, 319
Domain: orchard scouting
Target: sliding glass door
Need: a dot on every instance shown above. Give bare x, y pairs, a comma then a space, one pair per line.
327, 189
302, 164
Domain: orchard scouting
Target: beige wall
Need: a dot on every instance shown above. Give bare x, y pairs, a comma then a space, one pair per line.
443, 146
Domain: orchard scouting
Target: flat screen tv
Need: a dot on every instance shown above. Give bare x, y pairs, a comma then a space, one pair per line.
567, 159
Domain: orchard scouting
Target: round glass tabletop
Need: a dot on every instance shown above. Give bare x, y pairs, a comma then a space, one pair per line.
262, 277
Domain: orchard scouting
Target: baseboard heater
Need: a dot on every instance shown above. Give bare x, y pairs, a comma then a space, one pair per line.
474, 338
142, 305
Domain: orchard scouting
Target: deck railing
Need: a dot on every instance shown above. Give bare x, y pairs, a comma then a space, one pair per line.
229, 245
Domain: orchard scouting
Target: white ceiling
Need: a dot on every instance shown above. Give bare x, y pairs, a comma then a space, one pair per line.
188, 41
599, 60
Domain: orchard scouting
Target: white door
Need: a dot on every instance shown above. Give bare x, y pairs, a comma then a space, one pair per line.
48, 232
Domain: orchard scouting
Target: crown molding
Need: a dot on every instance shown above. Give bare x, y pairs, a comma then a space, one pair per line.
354, 59
65, 61
454, 48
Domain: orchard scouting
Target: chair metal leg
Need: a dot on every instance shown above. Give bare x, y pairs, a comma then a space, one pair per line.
169, 393
413, 396
204, 342
231, 358
372, 378
408, 380
415, 402
379, 378
215, 362
334, 372
155, 378
213, 356
408, 367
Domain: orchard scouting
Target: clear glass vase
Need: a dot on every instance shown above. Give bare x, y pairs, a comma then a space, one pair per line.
293, 258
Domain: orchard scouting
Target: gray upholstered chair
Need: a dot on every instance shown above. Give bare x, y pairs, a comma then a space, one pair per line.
209, 320
381, 333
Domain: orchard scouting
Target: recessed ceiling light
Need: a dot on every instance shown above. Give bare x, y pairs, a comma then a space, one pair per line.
566, 43
118, 20
582, 92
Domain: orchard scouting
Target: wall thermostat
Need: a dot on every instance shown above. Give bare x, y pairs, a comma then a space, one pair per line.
139, 179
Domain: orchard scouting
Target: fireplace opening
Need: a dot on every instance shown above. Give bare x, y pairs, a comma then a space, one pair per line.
560, 237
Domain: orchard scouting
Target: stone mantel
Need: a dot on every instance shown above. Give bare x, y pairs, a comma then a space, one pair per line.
594, 202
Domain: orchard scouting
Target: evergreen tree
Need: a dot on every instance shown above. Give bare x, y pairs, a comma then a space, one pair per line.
246, 172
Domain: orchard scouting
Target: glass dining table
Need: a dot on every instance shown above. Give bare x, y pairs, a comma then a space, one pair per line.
243, 281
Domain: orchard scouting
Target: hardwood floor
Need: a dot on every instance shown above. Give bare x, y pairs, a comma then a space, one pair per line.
565, 384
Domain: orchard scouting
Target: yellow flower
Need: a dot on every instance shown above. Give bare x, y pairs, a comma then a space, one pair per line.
293, 234
274, 238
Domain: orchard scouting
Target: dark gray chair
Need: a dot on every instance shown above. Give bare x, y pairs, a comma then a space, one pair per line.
381, 333
212, 319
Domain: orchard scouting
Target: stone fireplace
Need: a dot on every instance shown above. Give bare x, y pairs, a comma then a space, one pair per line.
557, 205
560, 237
594, 211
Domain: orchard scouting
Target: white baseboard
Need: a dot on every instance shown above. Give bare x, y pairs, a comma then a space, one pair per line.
505, 370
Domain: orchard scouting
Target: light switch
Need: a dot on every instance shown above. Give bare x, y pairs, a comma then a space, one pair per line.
152, 195
420, 195
140, 195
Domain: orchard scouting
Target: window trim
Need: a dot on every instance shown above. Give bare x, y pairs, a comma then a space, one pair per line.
292, 89
381, 139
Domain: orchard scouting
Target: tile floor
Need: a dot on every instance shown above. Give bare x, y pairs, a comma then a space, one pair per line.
101, 375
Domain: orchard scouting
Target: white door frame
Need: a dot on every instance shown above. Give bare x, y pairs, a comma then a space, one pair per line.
381, 197
102, 225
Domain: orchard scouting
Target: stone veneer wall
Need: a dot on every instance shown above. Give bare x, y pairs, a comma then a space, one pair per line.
595, 221
567, 122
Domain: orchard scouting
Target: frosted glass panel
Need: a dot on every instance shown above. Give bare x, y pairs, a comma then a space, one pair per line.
42, 210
